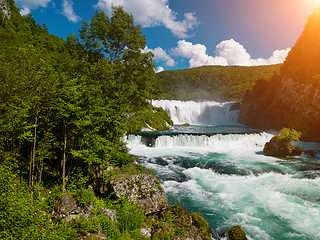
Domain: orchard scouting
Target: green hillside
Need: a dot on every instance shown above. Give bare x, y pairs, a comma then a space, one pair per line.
212, 82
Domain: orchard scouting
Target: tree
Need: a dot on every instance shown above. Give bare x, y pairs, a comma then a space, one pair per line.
120, 43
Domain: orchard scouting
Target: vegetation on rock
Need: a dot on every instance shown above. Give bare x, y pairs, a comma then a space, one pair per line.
281, 144
236, 233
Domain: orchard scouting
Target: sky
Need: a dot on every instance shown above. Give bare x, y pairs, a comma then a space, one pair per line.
192, 33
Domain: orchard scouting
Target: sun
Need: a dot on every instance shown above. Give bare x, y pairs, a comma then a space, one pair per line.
316, 2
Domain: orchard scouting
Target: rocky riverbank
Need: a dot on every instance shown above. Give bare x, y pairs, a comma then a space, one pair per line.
161, 221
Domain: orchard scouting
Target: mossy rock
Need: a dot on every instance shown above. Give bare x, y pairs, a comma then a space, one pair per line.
236, 233
186, 124
281, 144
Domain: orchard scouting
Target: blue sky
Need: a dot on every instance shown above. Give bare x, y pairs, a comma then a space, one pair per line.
190, 33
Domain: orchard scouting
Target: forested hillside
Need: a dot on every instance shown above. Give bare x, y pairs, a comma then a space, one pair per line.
64, 108
212, 82
291, 99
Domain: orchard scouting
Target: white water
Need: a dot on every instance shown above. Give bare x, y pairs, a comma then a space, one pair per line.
227, 178
203, 113
230, 181
236, 144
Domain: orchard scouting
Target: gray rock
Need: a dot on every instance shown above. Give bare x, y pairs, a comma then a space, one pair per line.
146, 232
5, 8
143, 189
91, 236
111, 214
68, 208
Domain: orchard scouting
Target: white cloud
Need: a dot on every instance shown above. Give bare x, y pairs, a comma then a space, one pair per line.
197, 54
228, 53
161, 55
68, 11
233, 52
28, 5
25, 11
150, 13
159, 69
277, 56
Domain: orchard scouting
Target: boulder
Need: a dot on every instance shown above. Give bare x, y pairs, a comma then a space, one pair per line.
180, 224
236, 233
279, 148
68, 208
141, 189
111, 214
276, 148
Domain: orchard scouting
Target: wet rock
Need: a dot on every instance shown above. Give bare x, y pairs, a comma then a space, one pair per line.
143, 189
279, 148
312, 153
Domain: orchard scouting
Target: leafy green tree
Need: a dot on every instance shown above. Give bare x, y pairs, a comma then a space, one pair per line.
121, 43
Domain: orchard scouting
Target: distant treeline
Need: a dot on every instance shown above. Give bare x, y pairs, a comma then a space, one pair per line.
213, 82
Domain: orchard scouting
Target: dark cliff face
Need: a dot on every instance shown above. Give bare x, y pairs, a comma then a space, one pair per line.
291, 99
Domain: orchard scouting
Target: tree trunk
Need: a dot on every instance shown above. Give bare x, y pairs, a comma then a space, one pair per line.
32, 164
64, 159
40, 172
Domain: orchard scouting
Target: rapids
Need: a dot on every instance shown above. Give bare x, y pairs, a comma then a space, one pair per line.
221, 171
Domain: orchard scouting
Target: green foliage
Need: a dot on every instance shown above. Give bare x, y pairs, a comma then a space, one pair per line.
212, 82
63, 104
130, 219
202, 224
20, 215
86, 225
151, 117
288, 135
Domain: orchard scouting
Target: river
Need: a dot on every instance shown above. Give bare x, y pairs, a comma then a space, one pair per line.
216, 166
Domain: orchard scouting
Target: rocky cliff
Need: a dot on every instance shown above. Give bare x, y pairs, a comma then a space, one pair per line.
290, 99
4, 7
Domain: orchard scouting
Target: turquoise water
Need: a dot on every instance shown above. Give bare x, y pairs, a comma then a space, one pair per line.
222, 173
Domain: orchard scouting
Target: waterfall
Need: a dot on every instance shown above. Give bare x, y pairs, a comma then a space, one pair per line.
236, 143
199, 113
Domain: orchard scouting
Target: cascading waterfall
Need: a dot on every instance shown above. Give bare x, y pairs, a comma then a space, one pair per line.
201, 113
218, 142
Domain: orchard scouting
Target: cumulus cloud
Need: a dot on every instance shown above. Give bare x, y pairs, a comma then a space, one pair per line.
161, 55
150, 13
228, 52
197, 54
28, 5
68, 11
159, 69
